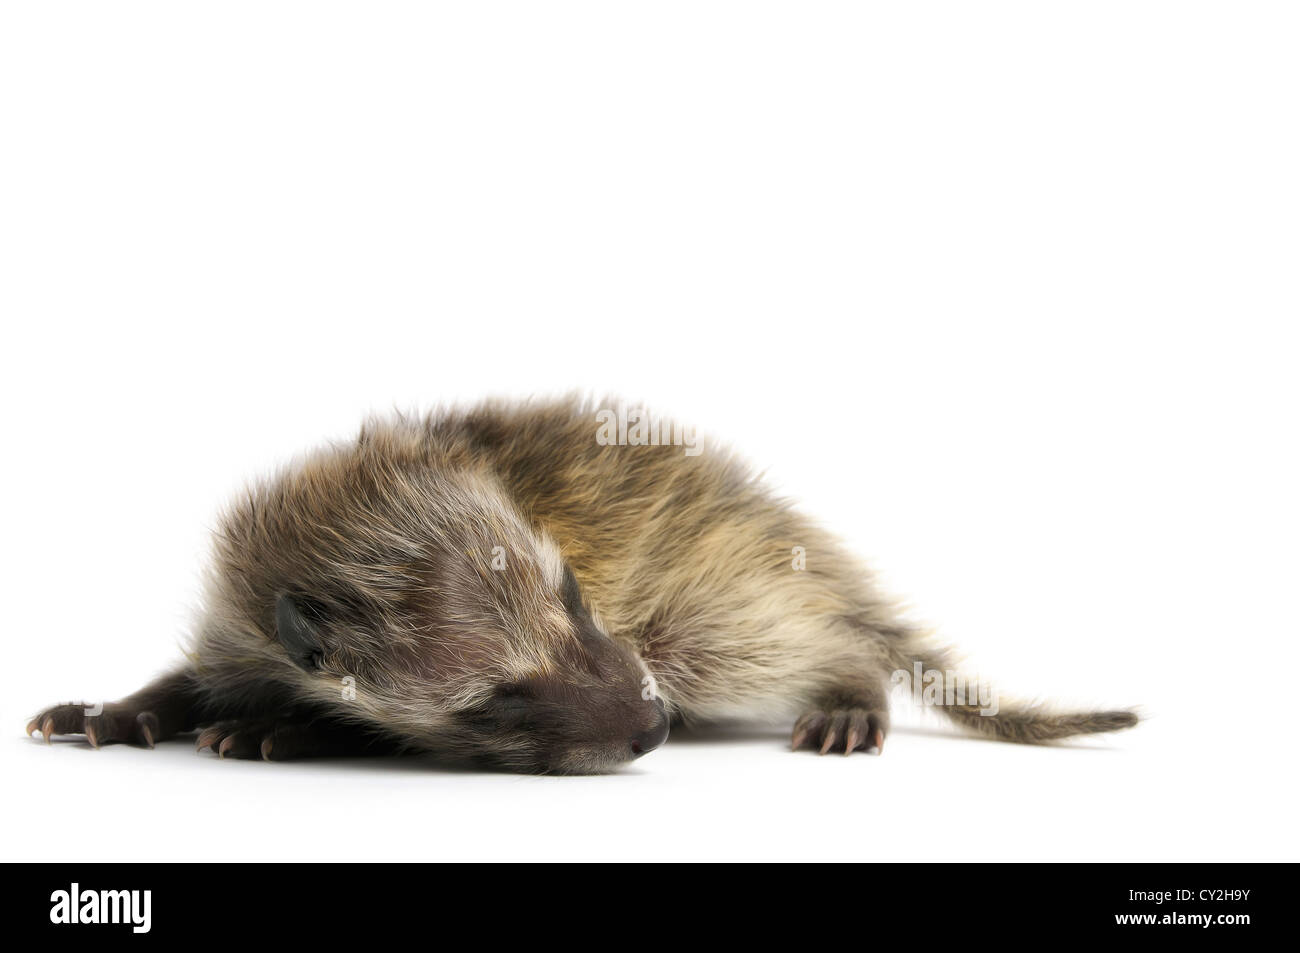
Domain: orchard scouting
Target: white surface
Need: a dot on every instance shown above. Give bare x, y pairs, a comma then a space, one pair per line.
1005, 293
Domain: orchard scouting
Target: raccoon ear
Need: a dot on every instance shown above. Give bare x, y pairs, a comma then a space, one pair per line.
296, 633
570, 592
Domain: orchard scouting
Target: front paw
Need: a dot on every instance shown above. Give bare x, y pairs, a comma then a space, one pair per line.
101, 724
843, 729
268, 740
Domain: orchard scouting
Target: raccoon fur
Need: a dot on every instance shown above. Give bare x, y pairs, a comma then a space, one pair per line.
541, 586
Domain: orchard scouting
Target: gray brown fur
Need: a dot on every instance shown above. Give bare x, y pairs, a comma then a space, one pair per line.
373, 561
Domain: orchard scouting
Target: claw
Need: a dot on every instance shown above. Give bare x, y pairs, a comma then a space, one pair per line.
808, 726
91, 734
146, 724
31, 726
855, 738
843, 730
207, 738
226, 744
47, 728
266, 748
880, 741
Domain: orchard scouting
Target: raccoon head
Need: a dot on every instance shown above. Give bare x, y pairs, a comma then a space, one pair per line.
419, 601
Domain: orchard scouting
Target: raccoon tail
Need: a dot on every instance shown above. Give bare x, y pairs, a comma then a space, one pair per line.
1018, 722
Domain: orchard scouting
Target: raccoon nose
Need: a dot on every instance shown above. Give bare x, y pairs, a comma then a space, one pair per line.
654, 737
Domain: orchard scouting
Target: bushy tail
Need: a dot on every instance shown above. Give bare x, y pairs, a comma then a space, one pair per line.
1033, 724
1005, 721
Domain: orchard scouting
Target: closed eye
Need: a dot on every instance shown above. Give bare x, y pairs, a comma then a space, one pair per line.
512, 708
511, 705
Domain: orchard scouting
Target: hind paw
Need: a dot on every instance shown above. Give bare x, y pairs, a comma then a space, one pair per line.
101, 724
844, 729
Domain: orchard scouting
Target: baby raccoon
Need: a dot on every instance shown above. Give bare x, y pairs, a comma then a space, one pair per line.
539, 586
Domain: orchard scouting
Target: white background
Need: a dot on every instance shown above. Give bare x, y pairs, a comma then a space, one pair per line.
1005, 293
